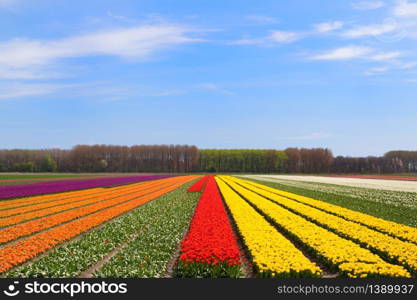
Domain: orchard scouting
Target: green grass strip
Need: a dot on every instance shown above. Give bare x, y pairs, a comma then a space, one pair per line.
148, 255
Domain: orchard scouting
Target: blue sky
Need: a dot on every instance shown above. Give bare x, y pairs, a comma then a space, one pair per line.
216, 74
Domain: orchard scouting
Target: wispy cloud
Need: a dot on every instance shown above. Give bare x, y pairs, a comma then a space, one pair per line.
284, 36
370, 30
408, 65
328, 26
24, 57
213, 87
405, 8
386, 56
99, 91
368, 5
274, 37
357, 52
30, 73
22, 90
344, 53
376, 71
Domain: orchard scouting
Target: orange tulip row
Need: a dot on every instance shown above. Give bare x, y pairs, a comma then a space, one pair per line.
7, 204
14, 232
78, 201
13, 220
55, 204
27, 201
23, 250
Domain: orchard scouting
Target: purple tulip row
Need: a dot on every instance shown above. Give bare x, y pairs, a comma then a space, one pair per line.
15, 191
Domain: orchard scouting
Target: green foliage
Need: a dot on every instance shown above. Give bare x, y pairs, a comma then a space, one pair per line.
242, 160
203, 270
281, 164
48, 164
150, 252
24, 167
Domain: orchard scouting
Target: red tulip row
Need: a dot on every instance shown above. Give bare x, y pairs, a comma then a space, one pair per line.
210, 248
199, 185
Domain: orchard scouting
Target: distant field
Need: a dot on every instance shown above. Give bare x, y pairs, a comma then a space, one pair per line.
378, 175
411, 177
375, 198
18, 179
378, 184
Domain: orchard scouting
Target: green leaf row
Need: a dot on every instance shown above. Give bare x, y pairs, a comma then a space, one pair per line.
149, 254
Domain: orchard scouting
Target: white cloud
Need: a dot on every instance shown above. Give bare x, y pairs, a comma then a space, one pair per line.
22, 90
284, 36
328, 26
275, 37
408, 65
23, 56
358, 52
344, 53
368, 5
376, 71
216, 88
405, 8
370, 30
100, 91
386, 56
10, 73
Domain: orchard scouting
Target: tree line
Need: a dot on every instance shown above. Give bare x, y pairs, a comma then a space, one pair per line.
103, 158
391, 162
242, 160
186, 159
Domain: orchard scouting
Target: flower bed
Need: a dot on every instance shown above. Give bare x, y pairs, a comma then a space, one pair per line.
199, 185
15, 191
210, 248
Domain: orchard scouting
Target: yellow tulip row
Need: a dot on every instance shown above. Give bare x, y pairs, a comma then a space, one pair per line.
398, 230
349, 258
272, 254
397, 251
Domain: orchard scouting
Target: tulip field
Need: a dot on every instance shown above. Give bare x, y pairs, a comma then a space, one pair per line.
205, 226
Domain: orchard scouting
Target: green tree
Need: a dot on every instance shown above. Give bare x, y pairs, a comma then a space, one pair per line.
24, 167
48, 164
